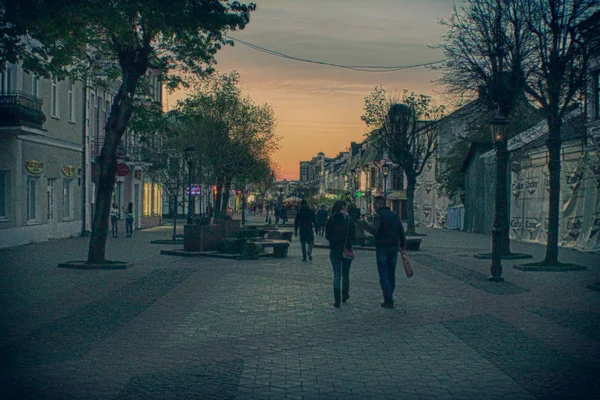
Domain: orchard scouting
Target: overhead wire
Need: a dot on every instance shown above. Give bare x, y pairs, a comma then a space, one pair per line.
360, 68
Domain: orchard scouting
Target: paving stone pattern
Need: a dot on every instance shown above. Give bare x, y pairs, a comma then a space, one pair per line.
187, 328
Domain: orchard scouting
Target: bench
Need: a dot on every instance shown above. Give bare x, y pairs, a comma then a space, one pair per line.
413, 243
280, 235
231, 245
253, 248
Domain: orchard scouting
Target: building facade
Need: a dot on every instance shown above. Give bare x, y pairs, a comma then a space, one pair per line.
51, 132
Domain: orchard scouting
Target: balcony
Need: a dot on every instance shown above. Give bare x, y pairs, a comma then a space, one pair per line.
18, 109
97, 144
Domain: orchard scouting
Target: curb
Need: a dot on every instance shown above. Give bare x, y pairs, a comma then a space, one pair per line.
511, 256
103, 266
565, 268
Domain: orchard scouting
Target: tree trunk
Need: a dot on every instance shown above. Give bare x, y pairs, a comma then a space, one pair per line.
175, 214
502, 204
225, 197
218, 200
121, 112
410, 206
553, 144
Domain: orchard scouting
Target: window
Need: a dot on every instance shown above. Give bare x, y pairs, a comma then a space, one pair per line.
67, 199
147, 199
107, 109
71, 101
156, 200
35, 85
31, 198
54, 101
3, 194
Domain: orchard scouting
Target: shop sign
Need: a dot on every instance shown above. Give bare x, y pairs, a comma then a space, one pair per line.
35, 167
122, 170
68, 170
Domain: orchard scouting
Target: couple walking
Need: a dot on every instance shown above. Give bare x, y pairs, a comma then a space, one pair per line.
389, 235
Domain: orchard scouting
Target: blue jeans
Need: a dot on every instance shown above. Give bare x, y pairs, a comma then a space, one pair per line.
341, 269
129, 226
386, 266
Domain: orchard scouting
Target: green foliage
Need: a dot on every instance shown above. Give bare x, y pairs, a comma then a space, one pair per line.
402, 127
232, 135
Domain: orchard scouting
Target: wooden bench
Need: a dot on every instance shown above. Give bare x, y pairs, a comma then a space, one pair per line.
253, 248
413, 243
280, 235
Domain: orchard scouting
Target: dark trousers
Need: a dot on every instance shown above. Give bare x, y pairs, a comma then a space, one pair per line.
341, 271
129, 226
386, 267
306, 239
114, 222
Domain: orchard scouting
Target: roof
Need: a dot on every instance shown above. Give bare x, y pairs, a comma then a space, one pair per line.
475, 148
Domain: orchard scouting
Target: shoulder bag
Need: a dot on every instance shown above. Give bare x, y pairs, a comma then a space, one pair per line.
347, 254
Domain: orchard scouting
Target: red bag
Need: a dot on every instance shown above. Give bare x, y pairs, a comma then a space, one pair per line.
407, 266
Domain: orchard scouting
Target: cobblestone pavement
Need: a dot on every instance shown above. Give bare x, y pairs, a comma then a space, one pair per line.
204, 328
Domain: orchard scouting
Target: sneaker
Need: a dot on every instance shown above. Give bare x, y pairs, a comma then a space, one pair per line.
304, 260
309, 258
387, 305
345, 298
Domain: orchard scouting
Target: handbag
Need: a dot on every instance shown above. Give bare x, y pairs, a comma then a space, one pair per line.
347, 254
407, 266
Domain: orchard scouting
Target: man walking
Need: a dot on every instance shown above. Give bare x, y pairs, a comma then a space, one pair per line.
307, 223
389, 234
321, 220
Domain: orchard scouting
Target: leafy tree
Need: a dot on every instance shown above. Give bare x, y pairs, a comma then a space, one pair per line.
405, 131
561, 54
233, 133
117, 40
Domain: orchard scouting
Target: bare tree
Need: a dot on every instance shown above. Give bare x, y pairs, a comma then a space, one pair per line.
406, 133
561, 54
488, 54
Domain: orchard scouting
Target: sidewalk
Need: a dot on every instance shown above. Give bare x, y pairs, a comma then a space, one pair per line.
180, 328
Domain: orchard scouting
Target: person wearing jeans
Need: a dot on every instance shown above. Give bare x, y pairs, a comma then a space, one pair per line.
340, 233
129, 220
389, 234
305, 222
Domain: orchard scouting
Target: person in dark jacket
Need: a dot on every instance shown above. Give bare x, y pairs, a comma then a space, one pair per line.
321, 221
340, 233
389, 234
305, 222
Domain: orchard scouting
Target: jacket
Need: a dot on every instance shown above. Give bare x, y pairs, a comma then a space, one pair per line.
387, 228
305, 220
339, 229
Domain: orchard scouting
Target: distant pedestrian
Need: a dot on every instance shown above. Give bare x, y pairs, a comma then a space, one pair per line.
340, 233
283, 214
277, 214
389, 235
114, 219
129, 220
305, 222
321, 221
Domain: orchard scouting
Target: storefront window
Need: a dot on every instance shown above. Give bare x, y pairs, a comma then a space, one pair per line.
31, 198
67, 196
147, 198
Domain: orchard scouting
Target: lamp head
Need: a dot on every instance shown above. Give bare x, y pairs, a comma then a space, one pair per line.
498, 126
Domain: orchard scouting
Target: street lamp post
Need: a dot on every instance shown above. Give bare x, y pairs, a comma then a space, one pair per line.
498, 130
386, 171
189, 151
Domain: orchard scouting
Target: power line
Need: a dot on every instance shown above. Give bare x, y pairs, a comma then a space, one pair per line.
360, 68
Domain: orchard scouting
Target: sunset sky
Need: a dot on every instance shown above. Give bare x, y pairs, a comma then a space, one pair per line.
318, 107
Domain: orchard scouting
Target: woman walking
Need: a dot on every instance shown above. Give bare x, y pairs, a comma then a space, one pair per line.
114, 220
340, 232
129, 220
